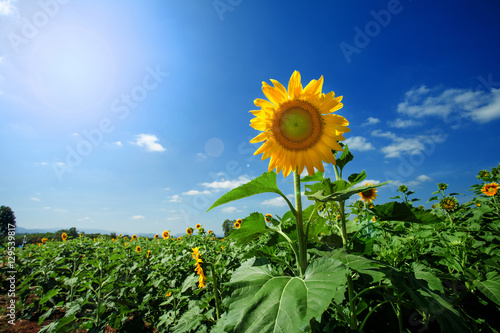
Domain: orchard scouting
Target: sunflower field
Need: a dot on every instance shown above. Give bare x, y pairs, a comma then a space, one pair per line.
397, 268
336, 265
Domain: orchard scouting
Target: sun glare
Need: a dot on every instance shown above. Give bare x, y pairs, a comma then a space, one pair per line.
73, 70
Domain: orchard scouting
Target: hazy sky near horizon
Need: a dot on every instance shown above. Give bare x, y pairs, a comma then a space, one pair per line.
133, 116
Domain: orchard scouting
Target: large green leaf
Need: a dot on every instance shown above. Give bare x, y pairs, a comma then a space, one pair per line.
262, 184
490, 287
398, 211
263, 301
423, 273
251, 228
342, 195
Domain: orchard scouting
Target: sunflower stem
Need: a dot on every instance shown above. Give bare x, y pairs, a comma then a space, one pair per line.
350, 286
302, 262
216, 291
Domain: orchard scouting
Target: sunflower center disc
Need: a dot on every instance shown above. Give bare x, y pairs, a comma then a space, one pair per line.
296, 124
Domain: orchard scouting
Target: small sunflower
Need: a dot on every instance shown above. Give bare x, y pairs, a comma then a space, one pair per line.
442, 186
138, 249
64, 236
210, 231
237, 225
490, 189
148, 253
119, 235
198, 226
298, 127
189, 231
368, 195
478, 204
133, 237
125, 238
165, 234
44, 240
449, 204
268, 217
157, 236
169, 294
179, 238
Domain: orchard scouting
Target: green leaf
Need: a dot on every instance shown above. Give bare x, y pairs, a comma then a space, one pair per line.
263, 301
342, 194
316, 177
398, 211
262, 184
345, 158
433, 198
356, 178
490, 287
251, 228
51, 293
422, 273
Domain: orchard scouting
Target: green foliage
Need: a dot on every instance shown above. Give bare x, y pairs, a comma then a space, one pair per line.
7, 220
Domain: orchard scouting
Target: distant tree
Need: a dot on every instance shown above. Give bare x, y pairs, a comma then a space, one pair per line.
6, 217
72, 232
227, 225
113, 235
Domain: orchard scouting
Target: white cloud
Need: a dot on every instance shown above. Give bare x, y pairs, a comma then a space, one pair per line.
275, 202
83, 219
423, 178
227, 184
195, 192
7, 7
406, 146
230, 210
148, 141
47, 208
488, 112
371, 121
138, 217
167, 188
118, 143
358, 143
175, 198
401, 123
36, 199
200, 156
479, 105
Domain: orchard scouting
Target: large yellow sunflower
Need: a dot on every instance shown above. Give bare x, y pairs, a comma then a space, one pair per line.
298, 127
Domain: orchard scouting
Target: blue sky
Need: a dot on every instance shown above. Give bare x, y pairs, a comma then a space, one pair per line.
133, 116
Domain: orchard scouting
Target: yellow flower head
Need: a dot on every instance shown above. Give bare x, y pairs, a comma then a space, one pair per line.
237, 224
119, 235
148, 253
490, 189
268, 217
179, 238
138, 249
210, 231
44, 240
368, 195
125, 238
165, 234
133, 237
157, 236
198, 226
169, 294
298, 127
189, 231
64, 236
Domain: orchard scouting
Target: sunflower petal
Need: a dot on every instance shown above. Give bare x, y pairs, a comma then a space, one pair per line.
262, 103
273, 94
279, 87
294, 85
261, 137
314, 87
